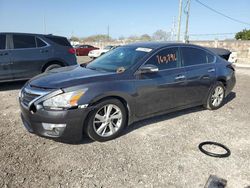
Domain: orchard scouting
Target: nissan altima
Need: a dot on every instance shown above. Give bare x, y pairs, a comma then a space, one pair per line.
130, 83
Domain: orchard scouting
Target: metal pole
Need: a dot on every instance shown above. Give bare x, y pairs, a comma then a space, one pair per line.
108, 32
179, 20
44, 24
187, 20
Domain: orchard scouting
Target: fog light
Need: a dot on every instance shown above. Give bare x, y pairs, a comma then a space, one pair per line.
53, 130
51, 126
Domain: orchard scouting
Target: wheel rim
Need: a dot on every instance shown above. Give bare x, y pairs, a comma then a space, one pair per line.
107, 120
217, 96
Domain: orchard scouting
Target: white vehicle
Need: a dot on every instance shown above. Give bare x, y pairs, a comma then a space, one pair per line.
233, 57
96, 53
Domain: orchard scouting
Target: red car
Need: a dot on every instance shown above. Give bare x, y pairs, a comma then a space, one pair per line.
83, 50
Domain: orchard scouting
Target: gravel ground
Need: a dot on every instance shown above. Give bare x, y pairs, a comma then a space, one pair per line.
157, 152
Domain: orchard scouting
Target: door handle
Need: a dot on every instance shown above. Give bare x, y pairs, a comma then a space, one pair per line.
211, 70
180, 77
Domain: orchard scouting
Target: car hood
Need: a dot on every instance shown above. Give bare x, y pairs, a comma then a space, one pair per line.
68, 77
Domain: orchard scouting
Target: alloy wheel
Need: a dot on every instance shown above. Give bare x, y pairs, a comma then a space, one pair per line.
107, 120
217, 96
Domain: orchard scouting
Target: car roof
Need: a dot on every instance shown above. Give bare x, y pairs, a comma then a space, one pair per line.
32, 34
157, 45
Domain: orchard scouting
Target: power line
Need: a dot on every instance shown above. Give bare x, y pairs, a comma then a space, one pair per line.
224, 15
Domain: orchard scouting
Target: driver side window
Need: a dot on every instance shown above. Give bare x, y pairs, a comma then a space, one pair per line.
165, 59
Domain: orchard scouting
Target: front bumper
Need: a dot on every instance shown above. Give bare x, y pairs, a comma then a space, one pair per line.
230, 83
73, 119
94, 55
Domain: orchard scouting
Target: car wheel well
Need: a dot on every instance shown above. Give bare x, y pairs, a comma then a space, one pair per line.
222, 81
122, 100
52, 63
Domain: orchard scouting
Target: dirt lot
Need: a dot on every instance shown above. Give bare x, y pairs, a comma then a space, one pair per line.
158, 152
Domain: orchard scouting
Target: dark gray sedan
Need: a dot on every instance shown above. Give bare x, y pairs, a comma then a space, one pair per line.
125, 85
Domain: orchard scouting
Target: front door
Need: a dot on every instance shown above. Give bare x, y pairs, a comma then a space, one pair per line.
162, 90
27, 58
5, 72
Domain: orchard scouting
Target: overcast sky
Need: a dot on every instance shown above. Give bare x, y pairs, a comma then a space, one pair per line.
125, 17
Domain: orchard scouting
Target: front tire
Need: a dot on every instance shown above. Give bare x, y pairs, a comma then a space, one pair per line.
107, 121
53, 66
216, 96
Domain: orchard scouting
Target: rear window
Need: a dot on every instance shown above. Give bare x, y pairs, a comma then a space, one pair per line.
22, 41
196, 56
2, 42
40, 43
59, 40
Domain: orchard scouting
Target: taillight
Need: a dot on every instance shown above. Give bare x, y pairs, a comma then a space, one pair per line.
72, 51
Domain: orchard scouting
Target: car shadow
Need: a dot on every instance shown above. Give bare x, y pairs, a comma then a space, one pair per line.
171, 115
156, 119
148, 121
7, 86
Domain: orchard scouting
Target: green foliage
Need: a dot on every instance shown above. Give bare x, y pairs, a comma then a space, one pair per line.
243, 35
145, 37
74, 38
97, 38
161, 35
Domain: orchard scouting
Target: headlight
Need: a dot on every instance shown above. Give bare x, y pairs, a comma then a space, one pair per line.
65, 100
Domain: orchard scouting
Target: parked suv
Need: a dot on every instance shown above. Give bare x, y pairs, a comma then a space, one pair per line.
22, 56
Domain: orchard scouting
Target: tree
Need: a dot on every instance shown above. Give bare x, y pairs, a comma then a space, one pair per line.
133, 38
97, 38
160, 35
243, 35
145, 37
74, 38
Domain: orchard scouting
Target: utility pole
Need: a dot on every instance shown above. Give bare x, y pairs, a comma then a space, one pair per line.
44, 24
187, 20
108, 32
179, 20
173, 29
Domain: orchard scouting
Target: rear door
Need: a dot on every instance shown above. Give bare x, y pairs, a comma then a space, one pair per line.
5, 72
200, 71
162, 90
28, 55
62, 49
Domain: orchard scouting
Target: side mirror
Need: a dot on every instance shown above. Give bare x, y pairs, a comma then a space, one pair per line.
149, 68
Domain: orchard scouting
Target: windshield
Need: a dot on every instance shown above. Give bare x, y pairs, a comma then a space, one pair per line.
117, 60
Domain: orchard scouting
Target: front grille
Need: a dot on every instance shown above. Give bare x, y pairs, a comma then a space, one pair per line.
30, 93
28, 97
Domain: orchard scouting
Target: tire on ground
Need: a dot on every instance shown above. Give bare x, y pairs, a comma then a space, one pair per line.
208, 104
52, 66
89, 127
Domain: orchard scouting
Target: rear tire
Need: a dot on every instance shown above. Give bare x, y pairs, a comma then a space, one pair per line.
216, 96
53, 66
107, 121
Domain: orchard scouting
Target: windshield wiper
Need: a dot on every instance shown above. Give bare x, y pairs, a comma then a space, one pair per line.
98, 69
92, 68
